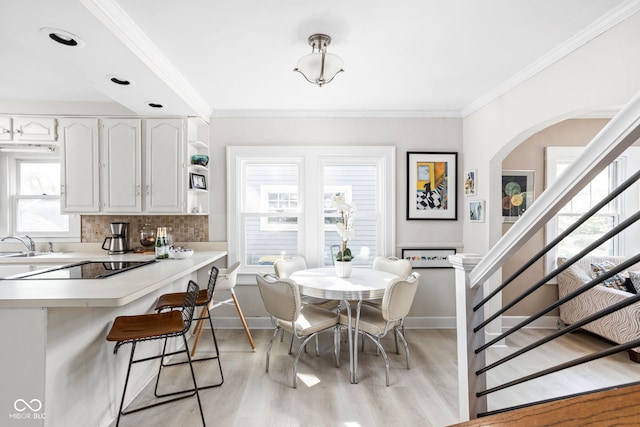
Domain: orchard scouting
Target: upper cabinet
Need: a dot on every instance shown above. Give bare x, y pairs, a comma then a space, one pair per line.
79, 165
137, 166
164, 142
6, 129
121, 165
34, 129
28, 129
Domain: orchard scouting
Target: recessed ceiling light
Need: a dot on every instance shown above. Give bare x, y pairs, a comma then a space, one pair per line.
155, 105
119, 80
62, 37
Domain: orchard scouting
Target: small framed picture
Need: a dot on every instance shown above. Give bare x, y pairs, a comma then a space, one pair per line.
198, 182
476, 211
470, 182
517, 193
428, 258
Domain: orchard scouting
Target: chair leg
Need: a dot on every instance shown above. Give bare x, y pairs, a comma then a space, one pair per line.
295, 361
384, 354
126, 382
217, 356
336, 345
406, 348
243, 320
275, 333
193, 377
198, 330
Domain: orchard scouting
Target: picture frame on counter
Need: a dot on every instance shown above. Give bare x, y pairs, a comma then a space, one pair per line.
428, 258
197, 181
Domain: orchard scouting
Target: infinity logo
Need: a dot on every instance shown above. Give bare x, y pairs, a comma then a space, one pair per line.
21, 405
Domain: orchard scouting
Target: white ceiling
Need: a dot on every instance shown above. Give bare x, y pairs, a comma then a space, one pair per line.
235, 58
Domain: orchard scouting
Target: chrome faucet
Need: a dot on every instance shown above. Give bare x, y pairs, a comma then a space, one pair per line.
31, 246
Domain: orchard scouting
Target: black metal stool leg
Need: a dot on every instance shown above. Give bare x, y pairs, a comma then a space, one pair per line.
126, 381
193, 377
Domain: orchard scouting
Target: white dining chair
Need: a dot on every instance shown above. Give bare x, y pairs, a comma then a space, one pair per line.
285, 267
281, 298
227, 279
400, 267
375, 322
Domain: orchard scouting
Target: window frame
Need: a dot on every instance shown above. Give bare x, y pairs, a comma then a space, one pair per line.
627, 203
310, 161
9, 169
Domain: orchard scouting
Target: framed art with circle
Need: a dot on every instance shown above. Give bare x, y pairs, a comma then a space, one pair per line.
517, 193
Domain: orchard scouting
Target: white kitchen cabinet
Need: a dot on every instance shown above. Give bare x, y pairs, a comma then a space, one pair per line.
121, 165
124, 165
31, 129
79, 165
164, 169
6, 129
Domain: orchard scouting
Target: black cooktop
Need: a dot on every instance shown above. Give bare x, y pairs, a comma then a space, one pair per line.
88, 270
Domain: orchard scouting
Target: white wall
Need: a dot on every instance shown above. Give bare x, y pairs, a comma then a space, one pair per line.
436, 295
601, 74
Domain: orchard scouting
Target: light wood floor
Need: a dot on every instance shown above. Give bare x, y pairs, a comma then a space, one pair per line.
425, 395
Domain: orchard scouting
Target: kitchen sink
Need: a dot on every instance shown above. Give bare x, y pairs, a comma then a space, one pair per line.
24, 254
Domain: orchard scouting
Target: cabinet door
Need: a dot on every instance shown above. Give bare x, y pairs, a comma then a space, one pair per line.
164, 165
79, 159
6, 129
120, 154
34, 129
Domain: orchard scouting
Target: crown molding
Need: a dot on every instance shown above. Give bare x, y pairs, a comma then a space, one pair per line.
109, 13
386, 114
604, 23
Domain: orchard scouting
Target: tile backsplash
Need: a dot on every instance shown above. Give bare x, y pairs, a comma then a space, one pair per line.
185, 228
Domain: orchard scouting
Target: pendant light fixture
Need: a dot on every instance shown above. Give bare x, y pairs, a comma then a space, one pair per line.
319, 67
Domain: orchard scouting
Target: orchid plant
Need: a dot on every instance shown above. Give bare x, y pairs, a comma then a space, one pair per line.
345, 226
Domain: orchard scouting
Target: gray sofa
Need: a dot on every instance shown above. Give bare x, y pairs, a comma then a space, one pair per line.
621, 326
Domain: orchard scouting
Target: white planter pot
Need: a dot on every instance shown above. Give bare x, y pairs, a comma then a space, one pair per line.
343, 269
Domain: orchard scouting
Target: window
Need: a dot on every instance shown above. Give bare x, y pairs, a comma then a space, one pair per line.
560, 158
34, 194
280, 202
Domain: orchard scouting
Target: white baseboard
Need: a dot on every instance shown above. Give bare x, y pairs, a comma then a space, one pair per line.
440, 322
544, 322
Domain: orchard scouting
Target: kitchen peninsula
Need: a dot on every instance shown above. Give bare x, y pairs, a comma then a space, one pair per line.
56, 358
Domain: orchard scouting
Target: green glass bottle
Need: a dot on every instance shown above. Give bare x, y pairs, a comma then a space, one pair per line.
159, 251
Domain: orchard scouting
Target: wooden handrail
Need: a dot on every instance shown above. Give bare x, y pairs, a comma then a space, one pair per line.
616, 407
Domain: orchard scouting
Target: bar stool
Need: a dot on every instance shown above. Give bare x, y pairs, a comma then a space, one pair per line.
174, 301
146, 327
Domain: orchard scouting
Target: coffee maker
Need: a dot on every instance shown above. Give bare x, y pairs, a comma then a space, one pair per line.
119, 241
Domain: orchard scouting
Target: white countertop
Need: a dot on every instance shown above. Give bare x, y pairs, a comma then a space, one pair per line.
117, 290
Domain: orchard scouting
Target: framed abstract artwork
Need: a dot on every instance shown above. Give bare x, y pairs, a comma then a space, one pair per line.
432, 186
428, 258
470, 182
517, 193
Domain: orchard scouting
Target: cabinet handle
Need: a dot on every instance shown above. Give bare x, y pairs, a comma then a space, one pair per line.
62, 190
148, 189
6, 130
17, 131
138, 190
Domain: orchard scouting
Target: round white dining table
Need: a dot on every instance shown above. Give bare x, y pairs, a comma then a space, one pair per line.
362, 284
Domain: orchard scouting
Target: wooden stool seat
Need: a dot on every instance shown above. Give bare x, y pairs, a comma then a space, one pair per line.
126, 328
175, 300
